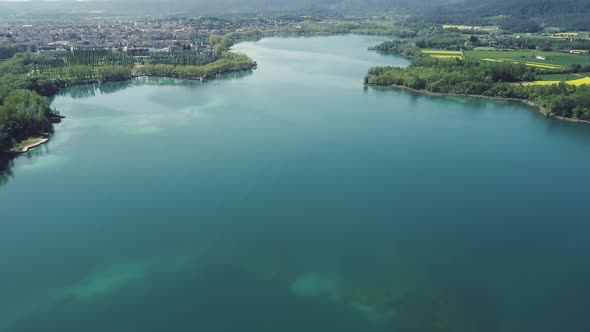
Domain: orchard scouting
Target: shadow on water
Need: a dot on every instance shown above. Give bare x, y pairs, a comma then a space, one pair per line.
575, 130
6, 162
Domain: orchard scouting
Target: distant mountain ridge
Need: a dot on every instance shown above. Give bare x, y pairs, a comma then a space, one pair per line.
515, 15
214, 7
519, 15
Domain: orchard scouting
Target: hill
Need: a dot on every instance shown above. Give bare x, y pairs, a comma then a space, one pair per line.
518, 16
39, 8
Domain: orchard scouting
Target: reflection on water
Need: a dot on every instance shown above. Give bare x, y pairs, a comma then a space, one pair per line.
7, 161
85, 91
91, 90
5, 168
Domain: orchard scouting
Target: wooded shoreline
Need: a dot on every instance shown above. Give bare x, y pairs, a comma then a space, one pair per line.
45, 139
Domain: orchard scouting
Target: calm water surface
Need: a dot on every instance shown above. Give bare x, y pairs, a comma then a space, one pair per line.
292, 199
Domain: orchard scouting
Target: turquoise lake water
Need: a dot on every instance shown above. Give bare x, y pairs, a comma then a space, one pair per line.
290, 198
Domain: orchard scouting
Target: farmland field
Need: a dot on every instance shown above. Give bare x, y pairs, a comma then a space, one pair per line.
562, 77
577, 82
526, 63
469, 27
555, 60
442, 54
431, 51
460, 27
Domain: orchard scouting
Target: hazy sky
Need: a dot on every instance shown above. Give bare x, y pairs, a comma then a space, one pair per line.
200, 7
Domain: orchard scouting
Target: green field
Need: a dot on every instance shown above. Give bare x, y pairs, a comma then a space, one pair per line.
576, 82
562, 77
442, 54
529, 57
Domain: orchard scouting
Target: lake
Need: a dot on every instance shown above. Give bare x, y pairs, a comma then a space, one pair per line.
291, 198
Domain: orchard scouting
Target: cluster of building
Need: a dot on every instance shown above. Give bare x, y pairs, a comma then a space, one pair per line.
59, 49
133, 37
138, 38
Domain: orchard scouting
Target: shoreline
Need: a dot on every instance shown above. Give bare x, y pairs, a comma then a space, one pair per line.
134, 75
532, 104
41, 140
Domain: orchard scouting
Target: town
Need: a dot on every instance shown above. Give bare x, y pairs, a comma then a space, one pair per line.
140, 37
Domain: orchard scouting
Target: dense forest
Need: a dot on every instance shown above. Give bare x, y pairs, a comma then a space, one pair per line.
182, 59
468, 77
437, 40
229, 62
517, 16
23, 113
6, 52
